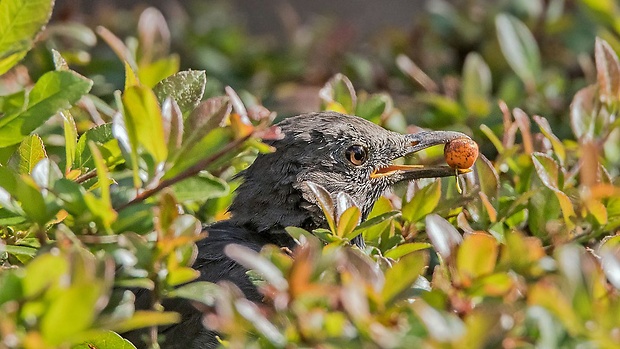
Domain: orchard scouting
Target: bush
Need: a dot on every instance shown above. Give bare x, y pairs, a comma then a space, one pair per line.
103, 190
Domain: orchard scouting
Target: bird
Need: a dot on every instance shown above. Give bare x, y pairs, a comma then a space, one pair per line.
341, 153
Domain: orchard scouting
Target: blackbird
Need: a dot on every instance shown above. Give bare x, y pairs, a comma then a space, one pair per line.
341, 153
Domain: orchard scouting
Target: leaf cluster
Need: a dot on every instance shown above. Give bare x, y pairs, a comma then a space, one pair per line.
106, 179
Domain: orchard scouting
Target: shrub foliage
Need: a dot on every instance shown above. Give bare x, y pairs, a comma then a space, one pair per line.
103, 190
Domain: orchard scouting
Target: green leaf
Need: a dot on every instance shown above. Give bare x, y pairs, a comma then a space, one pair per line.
44, 272
557, 145
20, 21
22, 250
493, 285
181, 275
203, 119
404, 249
71, 139
347, 222
101, 207
74, 308
136, 218
402, 275
55, 90
488, 179
519, 48
131, 79
29, 195
108, 146
606, 7
373, 107
153, 72
552, 177
206, 148
594, 207
72, 194
476, 86
8, 181
368, 224
11, 59
299, 234
199, 188
422, 203
31, 151
143, 318
555, 300
493, 138
13, 103
143, 119
547, 170
102, 175
11, 284
447, 107
200, 291
185, 87
543, 206
166, 212
339, 89
105, 340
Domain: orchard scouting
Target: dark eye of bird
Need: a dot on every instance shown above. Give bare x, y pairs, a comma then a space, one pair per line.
357, 155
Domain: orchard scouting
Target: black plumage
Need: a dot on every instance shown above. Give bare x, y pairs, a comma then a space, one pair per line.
339, 152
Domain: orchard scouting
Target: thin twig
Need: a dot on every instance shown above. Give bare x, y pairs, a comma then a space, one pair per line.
86, 176
189, 172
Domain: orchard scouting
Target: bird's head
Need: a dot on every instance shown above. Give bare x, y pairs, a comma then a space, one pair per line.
340, 153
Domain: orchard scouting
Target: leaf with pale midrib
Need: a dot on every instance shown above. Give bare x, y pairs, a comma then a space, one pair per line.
20, 21
55, 90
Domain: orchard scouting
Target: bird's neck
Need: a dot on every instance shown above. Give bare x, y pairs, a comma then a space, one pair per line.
267, 208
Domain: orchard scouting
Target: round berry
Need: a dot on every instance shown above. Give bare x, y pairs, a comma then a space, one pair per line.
461, 153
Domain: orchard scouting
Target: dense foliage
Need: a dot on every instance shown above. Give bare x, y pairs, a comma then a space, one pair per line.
109, 164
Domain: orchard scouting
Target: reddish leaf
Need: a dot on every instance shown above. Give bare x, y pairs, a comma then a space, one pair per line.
607, 72
477, 255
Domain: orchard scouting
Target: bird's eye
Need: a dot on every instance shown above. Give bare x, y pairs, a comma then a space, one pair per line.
357, 155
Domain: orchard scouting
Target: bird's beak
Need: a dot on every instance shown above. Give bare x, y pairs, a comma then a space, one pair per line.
417, 142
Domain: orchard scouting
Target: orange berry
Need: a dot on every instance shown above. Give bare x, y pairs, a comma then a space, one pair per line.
461, 153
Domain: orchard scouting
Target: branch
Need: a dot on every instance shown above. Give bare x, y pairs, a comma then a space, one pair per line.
189, 172
86, 176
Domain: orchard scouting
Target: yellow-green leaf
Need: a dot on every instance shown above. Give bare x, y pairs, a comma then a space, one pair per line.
71, 139
143, 117
477, 255
54, 91
403, 274
131, 79
31, 151
476, 86
20, 21
349, 219
423, 202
